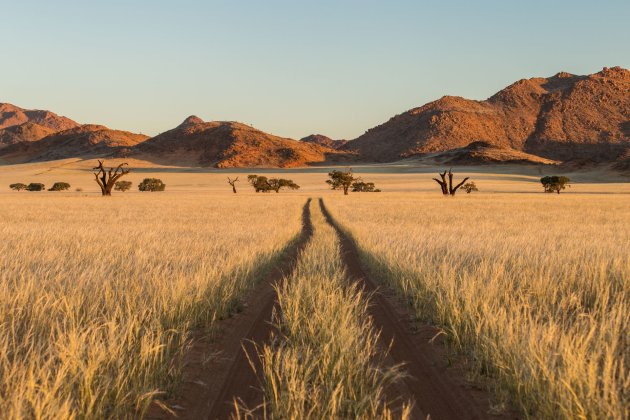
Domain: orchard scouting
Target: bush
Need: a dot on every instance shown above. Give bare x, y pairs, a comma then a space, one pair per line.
59, 186
554, 183
124, 186
35, 186
151, 184
263, 184
470, 187
18, 187
360, 186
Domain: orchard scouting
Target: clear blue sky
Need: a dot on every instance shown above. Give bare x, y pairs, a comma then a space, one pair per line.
289, 67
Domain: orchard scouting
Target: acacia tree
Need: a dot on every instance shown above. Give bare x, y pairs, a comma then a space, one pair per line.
447, 187
277, 183
232, 182
341, 180
554, 183
260, 183
106, 179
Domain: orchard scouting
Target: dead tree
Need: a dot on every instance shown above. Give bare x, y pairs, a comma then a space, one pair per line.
447, 187
106, 179
232, 182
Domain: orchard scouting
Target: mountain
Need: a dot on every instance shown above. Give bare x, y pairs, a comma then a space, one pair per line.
563, 117
82, 141
11, 115
27, 131
324, 141
18, 124
226, 145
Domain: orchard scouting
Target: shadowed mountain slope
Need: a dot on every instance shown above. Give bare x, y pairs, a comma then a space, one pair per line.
83, 141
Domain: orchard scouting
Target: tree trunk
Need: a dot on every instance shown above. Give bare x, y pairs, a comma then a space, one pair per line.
233, 189
107, 179
442, 183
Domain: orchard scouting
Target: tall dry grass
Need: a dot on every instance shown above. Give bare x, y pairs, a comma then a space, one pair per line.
327, 363
98, 296
534, 289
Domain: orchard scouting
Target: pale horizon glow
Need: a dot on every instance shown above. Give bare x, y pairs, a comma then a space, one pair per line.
290, 68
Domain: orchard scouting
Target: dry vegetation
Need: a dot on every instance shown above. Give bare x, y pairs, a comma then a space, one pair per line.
327, 363
98, 296
533, 289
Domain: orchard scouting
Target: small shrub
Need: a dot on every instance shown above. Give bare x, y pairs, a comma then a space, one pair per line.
554, 183
79, 189
18, 187
151, 184
59, 186
35, 186
123, 185
470, 187
360, 186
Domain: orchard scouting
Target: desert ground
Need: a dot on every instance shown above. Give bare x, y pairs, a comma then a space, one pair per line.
199, 303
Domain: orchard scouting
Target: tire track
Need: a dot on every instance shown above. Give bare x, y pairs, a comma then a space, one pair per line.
435, 391
211, 388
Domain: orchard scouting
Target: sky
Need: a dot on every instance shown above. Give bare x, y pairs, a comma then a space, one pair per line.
291, 68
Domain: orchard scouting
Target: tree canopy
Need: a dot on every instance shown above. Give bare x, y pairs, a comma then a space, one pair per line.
554, 183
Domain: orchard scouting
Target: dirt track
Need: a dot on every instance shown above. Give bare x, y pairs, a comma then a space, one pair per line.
437, 392
210, 387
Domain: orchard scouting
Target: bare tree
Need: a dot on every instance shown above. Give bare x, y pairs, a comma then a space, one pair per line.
106, 179
232, 182
447, 187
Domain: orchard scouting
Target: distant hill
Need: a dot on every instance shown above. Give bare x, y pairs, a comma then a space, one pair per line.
19, 124
82, 141
324, 141
11, 115
563, 117
227, 144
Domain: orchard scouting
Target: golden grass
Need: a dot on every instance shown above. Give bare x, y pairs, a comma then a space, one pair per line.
98, 296
327, 363
533, 288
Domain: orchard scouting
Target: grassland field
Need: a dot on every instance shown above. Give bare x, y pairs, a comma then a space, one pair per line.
98, 296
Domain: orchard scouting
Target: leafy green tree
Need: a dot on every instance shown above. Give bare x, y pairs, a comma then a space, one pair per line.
35, 186
151, 184
276, 184
18, 187
555, 184
470, 187
123, 185
341, 180
360, 186
260, 183
59, 186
